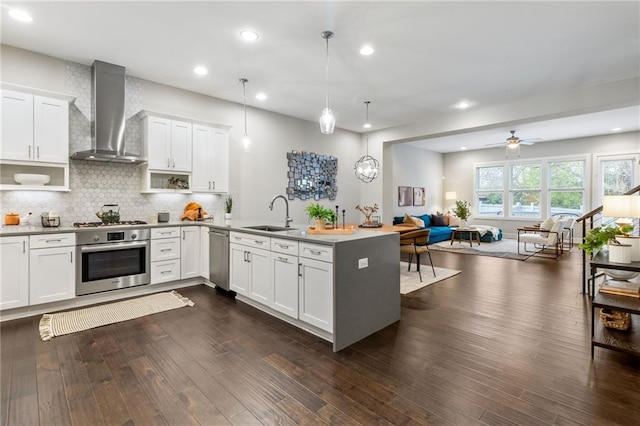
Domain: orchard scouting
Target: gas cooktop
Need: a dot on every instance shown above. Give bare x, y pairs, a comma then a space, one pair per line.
99, 224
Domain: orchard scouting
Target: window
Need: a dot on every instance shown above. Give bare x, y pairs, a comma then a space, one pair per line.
489, 193
567, 187
525, 190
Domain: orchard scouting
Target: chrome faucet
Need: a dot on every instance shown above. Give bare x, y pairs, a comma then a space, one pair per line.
288, 220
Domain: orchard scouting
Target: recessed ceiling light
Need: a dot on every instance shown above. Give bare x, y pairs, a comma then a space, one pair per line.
200, 70
20, 15
249, 35
616, 129
366, 50
463, 148
463, 105
367, 125
261, 96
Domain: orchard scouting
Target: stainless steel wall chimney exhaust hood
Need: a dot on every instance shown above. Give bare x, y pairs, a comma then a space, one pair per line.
108, 116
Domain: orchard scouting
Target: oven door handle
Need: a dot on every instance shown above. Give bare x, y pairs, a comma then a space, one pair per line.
116, 246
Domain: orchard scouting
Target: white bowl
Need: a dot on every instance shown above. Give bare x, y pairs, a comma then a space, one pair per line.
31, 179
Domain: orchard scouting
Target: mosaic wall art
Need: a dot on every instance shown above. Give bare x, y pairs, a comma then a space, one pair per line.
312, 176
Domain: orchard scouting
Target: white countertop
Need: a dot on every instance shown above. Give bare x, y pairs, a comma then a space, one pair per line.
297, 231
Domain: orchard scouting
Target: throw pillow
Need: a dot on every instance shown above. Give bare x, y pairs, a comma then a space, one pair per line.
437, 220
447, 219
454, 221
413, 220
547, 224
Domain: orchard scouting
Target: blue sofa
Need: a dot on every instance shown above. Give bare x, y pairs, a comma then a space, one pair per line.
443, 233
438, 233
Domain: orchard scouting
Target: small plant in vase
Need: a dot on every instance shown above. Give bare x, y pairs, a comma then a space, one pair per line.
462, 210
320, 214
367, 211
228, 206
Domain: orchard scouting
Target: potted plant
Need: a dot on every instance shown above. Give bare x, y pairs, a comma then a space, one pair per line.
600, 236
228, 205
462, 210
321, 214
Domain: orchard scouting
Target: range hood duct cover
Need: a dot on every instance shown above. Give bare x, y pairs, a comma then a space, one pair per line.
108, 116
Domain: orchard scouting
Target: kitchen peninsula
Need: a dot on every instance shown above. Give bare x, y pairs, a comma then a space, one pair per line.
339, 287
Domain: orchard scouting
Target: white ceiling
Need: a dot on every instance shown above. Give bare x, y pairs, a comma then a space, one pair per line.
428, 55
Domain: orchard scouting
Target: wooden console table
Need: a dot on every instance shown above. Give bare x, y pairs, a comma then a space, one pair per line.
622, 341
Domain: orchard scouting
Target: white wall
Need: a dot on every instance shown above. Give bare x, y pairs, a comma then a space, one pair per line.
255, 177
417, 167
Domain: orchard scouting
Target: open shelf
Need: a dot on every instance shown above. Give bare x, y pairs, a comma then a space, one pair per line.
59, 176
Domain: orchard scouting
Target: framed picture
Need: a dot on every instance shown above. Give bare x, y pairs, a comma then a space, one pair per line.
405, 196
418, 196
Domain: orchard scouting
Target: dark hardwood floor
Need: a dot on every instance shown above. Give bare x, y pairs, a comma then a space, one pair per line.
504, 343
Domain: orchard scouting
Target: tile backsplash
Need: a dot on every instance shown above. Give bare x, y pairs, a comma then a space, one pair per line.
93, 183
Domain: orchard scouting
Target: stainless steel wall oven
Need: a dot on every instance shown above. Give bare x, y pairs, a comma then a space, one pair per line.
110, 259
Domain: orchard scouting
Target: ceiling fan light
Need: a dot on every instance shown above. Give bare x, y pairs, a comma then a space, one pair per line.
327, 121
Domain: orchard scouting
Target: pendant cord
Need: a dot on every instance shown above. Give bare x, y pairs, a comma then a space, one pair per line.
327, 76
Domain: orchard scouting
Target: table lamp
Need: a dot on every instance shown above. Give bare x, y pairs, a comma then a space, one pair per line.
625, 208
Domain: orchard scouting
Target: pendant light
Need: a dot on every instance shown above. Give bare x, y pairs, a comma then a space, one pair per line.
246, 142
367, 167
327, 120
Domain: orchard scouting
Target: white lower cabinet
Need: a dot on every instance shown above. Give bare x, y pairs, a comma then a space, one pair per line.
204, 252
315, 300
165, 254
14, 272
285, 269
190, 252
52, 271
250, 267
164, 271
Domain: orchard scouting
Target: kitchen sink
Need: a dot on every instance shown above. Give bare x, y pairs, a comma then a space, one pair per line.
269, 228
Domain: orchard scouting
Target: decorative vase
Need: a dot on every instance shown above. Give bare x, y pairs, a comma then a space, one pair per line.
464, 223
619, 253
320, 224
227, 216
634, 241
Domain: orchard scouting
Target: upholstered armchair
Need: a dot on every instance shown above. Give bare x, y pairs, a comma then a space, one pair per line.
543, 240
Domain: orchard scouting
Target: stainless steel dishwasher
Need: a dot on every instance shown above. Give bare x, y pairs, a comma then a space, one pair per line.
219, 258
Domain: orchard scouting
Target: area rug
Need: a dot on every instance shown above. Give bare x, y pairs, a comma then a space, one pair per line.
410, 280
61, 323
506, 249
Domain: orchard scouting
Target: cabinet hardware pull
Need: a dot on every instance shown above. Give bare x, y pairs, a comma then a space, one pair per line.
165, 272
174, 163
29, 151
299, 269
284, 246
71, 254
52, 241
165, 249
209, 185
24, 243
316, 252
38, 151
283, 259
168, 162
183, 237
214, 184
258, 242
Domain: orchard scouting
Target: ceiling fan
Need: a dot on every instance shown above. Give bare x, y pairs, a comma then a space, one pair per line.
514, 142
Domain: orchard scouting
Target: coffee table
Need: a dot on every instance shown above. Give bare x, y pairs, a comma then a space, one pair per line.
474, 234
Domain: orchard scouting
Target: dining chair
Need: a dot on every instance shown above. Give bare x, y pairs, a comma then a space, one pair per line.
415, 242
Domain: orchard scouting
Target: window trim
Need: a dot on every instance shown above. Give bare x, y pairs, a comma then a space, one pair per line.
545, 199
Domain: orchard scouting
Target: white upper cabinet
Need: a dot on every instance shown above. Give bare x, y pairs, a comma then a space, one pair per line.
210, 159
34, 128
167, 144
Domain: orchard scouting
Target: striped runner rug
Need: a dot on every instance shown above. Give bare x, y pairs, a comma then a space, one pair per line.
61, 323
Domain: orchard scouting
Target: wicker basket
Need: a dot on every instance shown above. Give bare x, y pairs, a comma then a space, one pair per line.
615, 319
